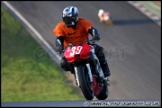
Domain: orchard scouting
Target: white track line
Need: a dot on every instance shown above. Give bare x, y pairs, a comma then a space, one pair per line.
40, 37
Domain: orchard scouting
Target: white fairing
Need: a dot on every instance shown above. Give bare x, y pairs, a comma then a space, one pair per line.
106, 18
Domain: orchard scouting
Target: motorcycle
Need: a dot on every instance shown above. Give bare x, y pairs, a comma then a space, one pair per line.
87, 71
105, 17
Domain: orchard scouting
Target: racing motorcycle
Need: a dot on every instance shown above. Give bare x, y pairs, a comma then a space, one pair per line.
87, 71
105, 17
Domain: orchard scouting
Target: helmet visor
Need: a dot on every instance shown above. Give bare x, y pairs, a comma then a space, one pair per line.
69, 21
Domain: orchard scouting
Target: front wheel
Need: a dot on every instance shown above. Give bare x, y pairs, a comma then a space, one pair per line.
85, 85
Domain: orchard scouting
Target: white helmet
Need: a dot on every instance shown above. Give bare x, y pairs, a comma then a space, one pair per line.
101, 11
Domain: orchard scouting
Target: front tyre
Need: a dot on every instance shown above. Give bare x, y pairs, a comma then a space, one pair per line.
85, 85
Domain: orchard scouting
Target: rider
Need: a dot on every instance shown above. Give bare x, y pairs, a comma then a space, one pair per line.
76, 29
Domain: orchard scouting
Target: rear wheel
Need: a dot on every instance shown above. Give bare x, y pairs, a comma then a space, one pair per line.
85, 85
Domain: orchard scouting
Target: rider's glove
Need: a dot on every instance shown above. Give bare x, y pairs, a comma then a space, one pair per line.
59, 44
94, 32
96, 38
60, 49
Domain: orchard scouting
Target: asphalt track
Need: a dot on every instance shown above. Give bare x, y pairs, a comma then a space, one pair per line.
132, 45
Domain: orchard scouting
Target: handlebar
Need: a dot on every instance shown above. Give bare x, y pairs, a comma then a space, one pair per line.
89, 42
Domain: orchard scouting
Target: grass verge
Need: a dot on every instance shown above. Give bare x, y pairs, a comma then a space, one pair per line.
27, 72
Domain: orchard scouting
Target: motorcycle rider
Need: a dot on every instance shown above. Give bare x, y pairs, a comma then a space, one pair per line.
76, 29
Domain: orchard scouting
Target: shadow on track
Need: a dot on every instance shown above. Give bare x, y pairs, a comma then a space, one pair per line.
133, 21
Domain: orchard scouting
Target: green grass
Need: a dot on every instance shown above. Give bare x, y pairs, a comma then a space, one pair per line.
27, 72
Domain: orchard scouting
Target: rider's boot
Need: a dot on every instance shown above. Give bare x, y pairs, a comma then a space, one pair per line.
106, 70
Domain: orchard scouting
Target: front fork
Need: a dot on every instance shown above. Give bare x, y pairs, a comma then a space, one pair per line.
89, 74
76, 76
